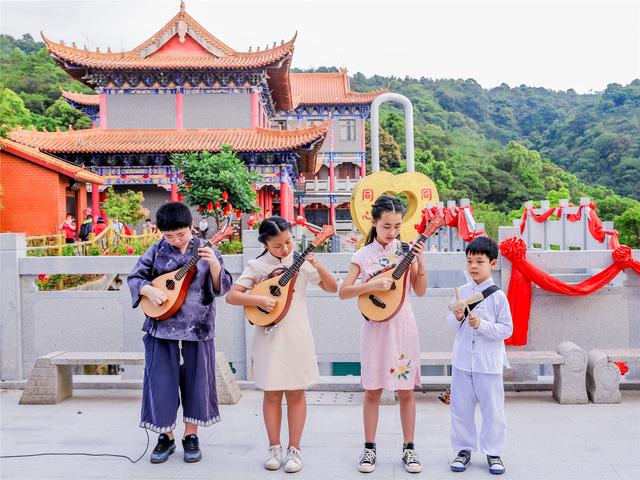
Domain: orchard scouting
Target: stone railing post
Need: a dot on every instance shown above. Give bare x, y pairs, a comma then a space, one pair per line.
251, 248
12, 248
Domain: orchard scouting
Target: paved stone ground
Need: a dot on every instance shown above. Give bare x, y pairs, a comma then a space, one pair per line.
545, 441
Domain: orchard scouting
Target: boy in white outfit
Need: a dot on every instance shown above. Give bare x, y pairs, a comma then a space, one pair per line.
479, 356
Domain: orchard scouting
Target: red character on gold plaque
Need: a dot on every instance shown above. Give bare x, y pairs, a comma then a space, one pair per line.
426, 193
367, 194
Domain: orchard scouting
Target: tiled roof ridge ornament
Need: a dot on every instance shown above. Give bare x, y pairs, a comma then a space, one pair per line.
182, 30
181, 6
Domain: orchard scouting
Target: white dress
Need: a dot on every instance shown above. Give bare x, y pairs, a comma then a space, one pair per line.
284, 357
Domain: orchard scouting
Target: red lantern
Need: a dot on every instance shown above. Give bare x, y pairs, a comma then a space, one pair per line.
225, 196
210, 206
227, 209
200, 208
238, 214
217, 204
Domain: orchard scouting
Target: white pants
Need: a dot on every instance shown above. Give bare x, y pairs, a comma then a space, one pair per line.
467, 389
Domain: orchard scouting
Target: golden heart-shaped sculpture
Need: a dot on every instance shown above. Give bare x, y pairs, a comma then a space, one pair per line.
418, 188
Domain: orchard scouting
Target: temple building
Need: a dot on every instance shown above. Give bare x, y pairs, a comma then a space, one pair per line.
184, 90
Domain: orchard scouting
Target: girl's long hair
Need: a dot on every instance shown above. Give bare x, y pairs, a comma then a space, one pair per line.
384, 203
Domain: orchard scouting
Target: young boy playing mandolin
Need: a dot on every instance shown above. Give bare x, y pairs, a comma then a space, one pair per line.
179, 351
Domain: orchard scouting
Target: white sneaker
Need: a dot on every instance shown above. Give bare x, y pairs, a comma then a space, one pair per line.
275, 458
294, 460
411, 461
367, 462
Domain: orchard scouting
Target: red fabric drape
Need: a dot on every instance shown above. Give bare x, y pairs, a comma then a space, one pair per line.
524, 272
303, 222
593, 222
453, 217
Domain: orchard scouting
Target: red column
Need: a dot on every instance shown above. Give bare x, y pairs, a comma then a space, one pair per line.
284, 201
292, 204
255, 111
81, 207
174, 192
179, 111
300, 207
268, 202
363, 146
95, 202
332, 175
262, 201
332, 210
103, 110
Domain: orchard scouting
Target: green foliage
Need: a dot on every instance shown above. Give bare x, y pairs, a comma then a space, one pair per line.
29, 73
63, 281
125, 207
597, 137
490, 217
230, 248
207, 176
628, 224
13, 113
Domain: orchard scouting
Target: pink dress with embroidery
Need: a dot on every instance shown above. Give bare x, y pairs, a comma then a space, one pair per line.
390, 350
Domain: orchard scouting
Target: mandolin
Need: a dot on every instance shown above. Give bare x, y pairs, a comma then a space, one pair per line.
382, 305
280, 286
175, 284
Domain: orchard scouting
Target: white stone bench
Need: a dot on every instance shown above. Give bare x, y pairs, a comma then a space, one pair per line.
569, 368
51, 379
603, 377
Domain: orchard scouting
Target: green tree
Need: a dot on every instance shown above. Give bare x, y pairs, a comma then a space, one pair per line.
63, 115
208, 178
12, 111
628, 224
125, 207
490, 217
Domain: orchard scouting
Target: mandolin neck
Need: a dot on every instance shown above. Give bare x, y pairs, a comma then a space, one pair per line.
293, 269
191, 262
406, 260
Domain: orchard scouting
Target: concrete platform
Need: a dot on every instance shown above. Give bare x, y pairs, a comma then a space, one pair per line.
546, 440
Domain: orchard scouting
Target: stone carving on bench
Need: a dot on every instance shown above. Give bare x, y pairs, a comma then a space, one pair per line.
569, 377
603, 376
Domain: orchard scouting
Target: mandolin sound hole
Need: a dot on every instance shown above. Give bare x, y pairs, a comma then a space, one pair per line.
275, 291
170, 284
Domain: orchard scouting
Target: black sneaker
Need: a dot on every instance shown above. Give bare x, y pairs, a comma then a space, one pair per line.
164, 448
191, 447
367, 462
495, 465
461, 462
410, 458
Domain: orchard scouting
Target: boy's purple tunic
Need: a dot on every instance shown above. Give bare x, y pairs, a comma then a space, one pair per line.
179, 351
195, 321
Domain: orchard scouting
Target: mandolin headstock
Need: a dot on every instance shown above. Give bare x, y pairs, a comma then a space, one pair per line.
226, 231
427, 226
327, 232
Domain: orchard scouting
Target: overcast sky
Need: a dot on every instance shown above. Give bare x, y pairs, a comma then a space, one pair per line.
557, 45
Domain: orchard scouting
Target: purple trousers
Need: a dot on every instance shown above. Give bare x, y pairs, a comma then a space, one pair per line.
178, 370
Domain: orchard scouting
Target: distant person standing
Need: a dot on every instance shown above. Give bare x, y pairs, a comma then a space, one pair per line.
86, 228
69, 228
100, 226
203, 226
